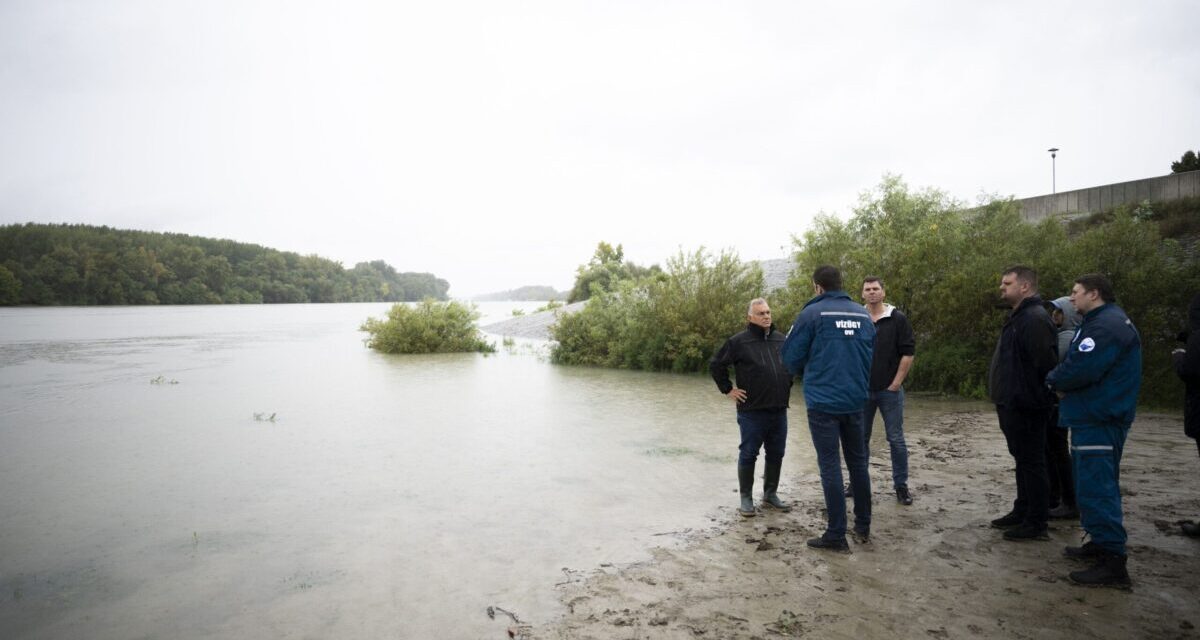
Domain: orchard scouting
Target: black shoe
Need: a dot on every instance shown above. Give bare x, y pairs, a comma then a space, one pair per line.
861, 537
1109, 571
1026, 531
838, 544
1087, 551
1190, 529
903, 496
1008, 521
1064, 512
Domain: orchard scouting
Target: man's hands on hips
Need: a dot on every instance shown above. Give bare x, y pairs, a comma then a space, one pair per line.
737, 395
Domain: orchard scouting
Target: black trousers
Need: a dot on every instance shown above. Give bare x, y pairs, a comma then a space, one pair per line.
1058, 464
1025, 432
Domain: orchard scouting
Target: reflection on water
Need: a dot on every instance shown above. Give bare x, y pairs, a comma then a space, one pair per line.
394, 496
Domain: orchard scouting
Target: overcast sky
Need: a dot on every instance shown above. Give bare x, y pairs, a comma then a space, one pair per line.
495, 143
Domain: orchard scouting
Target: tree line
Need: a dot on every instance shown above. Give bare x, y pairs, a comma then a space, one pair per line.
940, 261
67, 264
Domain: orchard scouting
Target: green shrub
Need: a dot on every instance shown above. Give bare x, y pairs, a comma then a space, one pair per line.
941, 261
427, 327
668, 321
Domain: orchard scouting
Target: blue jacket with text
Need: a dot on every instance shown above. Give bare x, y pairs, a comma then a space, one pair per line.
830, 345
1102, 371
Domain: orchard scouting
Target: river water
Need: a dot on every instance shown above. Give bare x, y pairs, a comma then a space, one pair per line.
255, 471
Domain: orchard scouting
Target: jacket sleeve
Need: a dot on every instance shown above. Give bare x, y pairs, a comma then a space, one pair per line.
1187, 364
1041, 347
796, 346
719, 366
1082, 369
906, 344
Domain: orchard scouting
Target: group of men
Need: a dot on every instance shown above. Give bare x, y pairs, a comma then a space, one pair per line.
853, 360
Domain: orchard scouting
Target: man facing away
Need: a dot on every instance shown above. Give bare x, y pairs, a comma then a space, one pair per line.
893, 357
761, 394
1098, 384
830, 345
1025, 353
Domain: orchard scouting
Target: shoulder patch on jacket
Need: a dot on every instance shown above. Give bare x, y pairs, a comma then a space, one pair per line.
1087, 344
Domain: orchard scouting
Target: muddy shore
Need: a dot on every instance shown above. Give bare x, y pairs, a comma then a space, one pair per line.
934, 569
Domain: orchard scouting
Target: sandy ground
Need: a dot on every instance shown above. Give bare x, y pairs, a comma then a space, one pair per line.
934, 569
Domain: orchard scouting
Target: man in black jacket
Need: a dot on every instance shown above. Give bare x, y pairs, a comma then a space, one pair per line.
1187, 365
1026, 352
761, 393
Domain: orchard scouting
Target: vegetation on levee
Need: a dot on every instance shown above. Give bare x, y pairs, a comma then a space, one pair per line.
85, 265
941, 262
668, 320
428, 326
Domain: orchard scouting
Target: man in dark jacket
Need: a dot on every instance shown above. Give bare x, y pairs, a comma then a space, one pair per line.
761, 394
1187, 365
1025, 353
893, 357
1098, 385
830, 344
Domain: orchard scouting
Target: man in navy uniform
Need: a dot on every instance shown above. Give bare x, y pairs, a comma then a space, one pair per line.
1098, 383
830, 344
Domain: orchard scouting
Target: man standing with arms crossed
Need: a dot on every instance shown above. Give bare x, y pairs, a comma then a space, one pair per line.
761, 394
1098, 384
830, 344
893, 357
1025, 353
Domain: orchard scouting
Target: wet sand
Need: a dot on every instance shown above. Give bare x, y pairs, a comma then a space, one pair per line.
935, 569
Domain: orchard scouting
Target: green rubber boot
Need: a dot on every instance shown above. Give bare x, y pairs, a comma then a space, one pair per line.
745, 487
770, 484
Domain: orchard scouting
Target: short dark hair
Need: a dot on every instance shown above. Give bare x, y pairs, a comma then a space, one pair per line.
874, 279
1097, 282
1023, 273
828, 277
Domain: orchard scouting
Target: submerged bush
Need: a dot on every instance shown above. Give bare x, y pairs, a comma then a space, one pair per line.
669, 321
427, 327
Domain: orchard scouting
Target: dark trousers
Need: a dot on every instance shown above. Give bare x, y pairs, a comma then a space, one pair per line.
1058, 464
831, 432
762, 429
1025, 432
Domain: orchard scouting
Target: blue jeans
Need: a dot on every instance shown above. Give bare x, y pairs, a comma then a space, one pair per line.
762, 427
891, 406
828, 431
1096, 452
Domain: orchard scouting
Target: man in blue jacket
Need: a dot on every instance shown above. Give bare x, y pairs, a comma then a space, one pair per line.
830, 344
1098, 384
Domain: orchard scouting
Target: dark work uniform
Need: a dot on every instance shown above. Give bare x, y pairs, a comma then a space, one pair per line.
1026, 352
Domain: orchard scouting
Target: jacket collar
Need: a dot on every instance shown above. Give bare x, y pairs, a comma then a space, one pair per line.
1026, 303
828, 294
758, 331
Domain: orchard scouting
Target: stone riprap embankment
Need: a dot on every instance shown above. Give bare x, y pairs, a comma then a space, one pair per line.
536, 326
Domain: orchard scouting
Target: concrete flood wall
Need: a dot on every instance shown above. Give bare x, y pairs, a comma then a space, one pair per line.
1091, 200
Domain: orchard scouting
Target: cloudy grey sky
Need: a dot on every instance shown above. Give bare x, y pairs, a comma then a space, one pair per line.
495, 143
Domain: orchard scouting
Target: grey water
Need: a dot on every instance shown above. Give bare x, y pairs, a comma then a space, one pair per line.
255, 471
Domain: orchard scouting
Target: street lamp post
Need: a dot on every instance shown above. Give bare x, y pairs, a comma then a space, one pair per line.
1053, 177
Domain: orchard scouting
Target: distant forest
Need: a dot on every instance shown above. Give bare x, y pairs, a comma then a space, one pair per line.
43, 264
